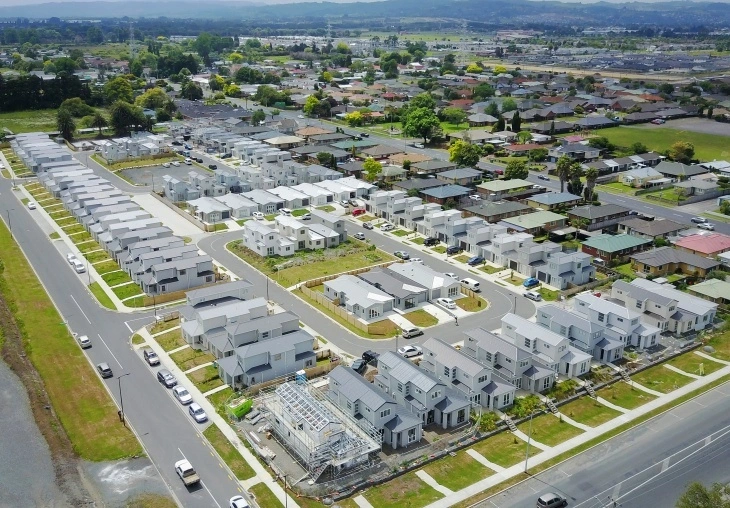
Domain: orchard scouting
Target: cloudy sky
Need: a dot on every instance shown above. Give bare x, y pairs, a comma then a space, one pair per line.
4, 3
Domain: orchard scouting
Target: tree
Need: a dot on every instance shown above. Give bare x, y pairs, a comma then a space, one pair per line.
500, 69
65, 124
699, 496
372, 169
538, 154
637, 148
562, 168
725, 207
681, 151
482, 91
454, 116
464, 153
524, 136
216, 82
258, 116
575, 185
516, 122
191, 91
326, 159
500, 125
492, 109
474, 68
516, 170
310, 105
509, 104
407, 167
591, 175
152, 99
421, 122
98, 121
118, 89
354, 119
76, 107
125, 117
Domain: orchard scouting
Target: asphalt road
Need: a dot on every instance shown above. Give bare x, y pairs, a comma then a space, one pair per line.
501, 300
647, 466
164, 427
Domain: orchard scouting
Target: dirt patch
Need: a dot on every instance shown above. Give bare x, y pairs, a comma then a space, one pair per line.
65, 463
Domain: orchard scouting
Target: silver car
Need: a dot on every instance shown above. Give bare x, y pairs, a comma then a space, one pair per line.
165, 377
182, 395
197, 413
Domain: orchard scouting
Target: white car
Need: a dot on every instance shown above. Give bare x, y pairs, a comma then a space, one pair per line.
182, 395
79, 266
197, 413
446, 302
707, 226
359, 236
238, 502
533, 295
409, 351
452, 275
418, 145
71, 258
175, 163
387, 227
475, 197
31, 205
258, 216
166, 165
84, 341
416, 260
300, 116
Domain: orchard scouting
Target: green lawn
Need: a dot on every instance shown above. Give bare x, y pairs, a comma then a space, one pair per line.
622, 394
71, 229
88, 246
418, 240
220, 226
43, 120
189, 358
626, 271
80, 237
589, 411
439, 249
514, 279
548, 294
228, 453
117, 166
616, 188
690, 362
138, 339
299, 212
407, 491
170, 340
54, 236
365, 218
350, 255
264, 496
491, 269
721, 343
549, 430
150, 501
162, 326
205, 379
127, 290
661, 379
116, 278
101, 296
707, 146
421, 318
89, 417
241, 222
504, 449
326, 208
220, 398
471, 303
67, 221
97, 256
463, 258
401, 232
458, 471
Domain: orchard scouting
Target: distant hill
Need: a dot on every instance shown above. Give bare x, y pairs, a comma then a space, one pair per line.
487, 12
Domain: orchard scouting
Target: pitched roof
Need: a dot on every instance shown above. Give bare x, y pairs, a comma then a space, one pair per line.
405, 371
451, 357
706, 244
615, 243
553, 198
597, 212
653, 227
712, 288
667, 255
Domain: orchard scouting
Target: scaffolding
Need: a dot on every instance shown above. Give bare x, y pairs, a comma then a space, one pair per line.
322, 436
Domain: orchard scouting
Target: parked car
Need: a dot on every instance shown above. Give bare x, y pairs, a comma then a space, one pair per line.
551, 500
285, 212
707, 226
188, 161
411, 331
79, 266
354, 202
446, 302
474, 261
698, 220
451, 275
402, 254
165, 377
182, 395
151, 357
71, 258
165, 164
357, 212
306, 216
226, 156
344, 203
410, 351
471, 284
31, 205
198, 160
176, 143
533, 295
475, 197
258, 216
531, 282
359, 365
84, 341
419, 145
543, 177
175, 163
416, 260
633, 212
370, 356
104, 370
238, 502
430, 242
387, 227
367, 225
212, 166
197, 413
658, 121
453, 250
359, 236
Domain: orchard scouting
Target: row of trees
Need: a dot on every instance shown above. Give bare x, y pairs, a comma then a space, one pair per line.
31, 92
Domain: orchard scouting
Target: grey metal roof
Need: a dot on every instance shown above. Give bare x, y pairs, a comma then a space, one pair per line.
532, 330
596, 212
354, 387
402, 421
495, 344
447, 191
568, 318
639, 293
388, 282
667, 255
460, 173
552, 198
653, 227
404, 371
450, 357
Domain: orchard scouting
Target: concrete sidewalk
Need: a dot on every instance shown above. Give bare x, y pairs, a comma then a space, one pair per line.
262, 474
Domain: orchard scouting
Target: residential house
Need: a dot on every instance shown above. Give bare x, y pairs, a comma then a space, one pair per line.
209, 210
431, 167
696, 186
422, 394
667, 261
267, 202
495, 211
643, 178
651, 230
535, 223
239, 206
407, 294
179, 275
266, 241
576, 151
177, 190
677, 171
358, 297
461, 176
498, 190
553, 200
330, 221
140, 267
714, 290
705, 244
445, 193
437, 284
595, 218
467, 375
614, 247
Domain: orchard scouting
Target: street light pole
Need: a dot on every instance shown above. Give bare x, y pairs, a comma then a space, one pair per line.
10, 224
121, 399
529, 437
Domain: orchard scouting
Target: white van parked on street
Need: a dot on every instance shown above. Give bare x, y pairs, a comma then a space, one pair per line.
471, 284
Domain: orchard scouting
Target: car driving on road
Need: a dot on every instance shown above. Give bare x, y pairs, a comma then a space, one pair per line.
698, 220
409, 351
359, 236
706, 226
531, 282
367, 225
104, 370
402, 254
543, 177
84, 341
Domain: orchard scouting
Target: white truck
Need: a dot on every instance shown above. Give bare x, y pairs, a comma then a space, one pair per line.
186, 473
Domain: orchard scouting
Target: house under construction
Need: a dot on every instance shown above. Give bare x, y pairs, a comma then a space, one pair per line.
320, 435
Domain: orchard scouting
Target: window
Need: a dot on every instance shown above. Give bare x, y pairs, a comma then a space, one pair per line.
183, 272
367, 409
209, 278
620, 320
563, 330
524, 363
446, 371
508, 360
277, 356
582, 367
385, 413
505, 399
349, 406
400, 387
547, 346
488, 357
271, 237
264, 335
436, 395
638, 304
601, 317
527, 343
546, 383
482, 379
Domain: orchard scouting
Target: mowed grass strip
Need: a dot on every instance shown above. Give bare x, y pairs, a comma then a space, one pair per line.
170, 340
690, 362
624, 395
228, 453
458, 471
206, 378
87, 413
421, 318
661, 379
549, 430
101, 296
504, 449
127, 291
116, 278
405, 491
189, 358
264, 496
589, 411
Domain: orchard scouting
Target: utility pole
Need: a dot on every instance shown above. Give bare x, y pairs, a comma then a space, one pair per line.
10, 224
121, 399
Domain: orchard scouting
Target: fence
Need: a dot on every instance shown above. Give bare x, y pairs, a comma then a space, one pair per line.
585, 287
181, 213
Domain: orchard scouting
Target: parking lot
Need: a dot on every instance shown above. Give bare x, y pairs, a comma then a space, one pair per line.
144, 176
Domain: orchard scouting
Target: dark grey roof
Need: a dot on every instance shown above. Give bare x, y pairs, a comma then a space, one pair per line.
447, 191
433, 165
460, 173
402, 421
678, 169
418, 183
486, 208
354, 387
596, 212
668, 255
653, 227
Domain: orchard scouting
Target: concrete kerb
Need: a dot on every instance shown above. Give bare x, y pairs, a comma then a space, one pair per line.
262, 475
596, 432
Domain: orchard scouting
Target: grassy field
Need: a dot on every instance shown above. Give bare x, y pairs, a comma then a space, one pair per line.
206, 379
488, 269
549, 430
458, 471
264, 496
588, 412
97, 256
115, 278
228, 453
407, 491
127, 290
101, 296
89, 417
504, 449
355, 254
151, 501
548, 294
189, 358
624, 395
707, 146
661, 379
29, 121
170, 340
472, 303
721, 343
690, 362
421, 318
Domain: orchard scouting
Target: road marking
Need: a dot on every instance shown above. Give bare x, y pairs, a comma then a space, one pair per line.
616, 490
665, 464
82, 310
128, 327
566, 474
110, 351
210, 494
